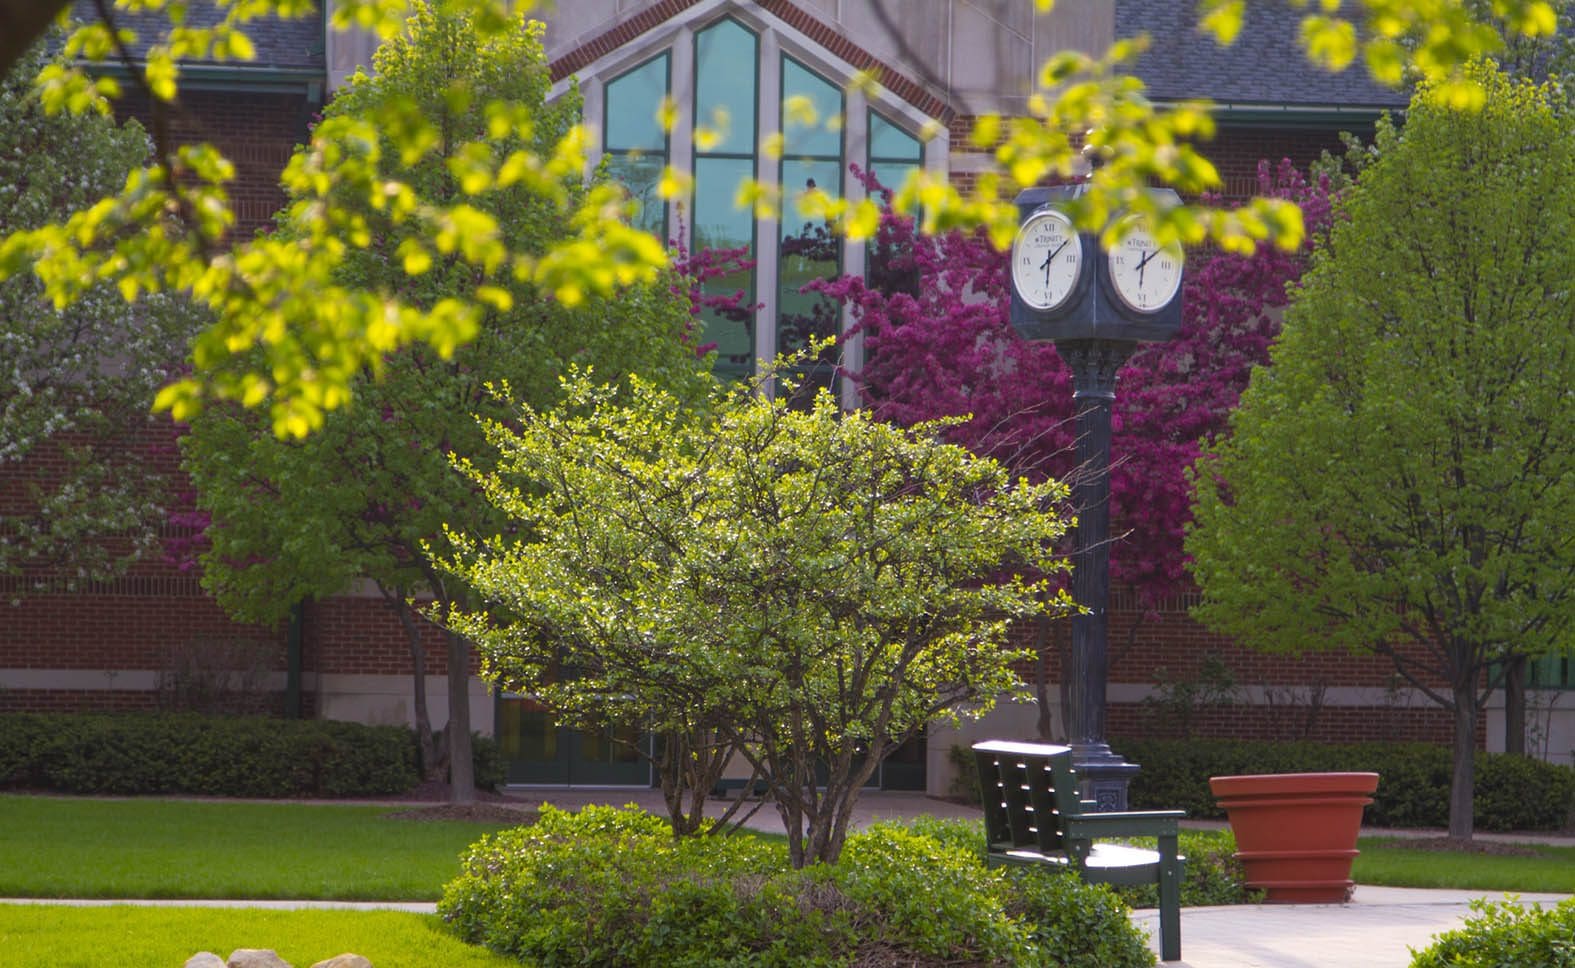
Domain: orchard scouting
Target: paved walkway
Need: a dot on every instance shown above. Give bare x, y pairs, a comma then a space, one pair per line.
1377, 929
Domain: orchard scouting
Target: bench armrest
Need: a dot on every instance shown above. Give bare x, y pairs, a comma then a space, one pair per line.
1135, 823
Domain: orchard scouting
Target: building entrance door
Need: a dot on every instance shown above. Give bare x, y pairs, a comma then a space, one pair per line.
537, 751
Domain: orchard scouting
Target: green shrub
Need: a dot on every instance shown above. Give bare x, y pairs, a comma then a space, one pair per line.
608, 886
1072, 924
487, 761
21, 736
208, 756
1504, 933
922, 894
965, 774
1512, 792
1214, 875
612, 887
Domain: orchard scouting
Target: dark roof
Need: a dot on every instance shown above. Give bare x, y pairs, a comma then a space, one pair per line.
292, 45
1265, 66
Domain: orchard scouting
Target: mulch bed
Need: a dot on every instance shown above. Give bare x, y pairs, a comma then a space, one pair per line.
430, 801
470, 812
1473, 846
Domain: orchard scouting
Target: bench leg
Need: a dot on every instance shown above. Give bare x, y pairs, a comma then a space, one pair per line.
1169, 902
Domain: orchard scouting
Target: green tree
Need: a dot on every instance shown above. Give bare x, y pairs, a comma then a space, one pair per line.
815, 587
300, 518
286, 333
1401, 478
85, 495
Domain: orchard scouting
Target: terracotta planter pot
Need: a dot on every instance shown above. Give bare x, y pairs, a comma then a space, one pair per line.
1296, 832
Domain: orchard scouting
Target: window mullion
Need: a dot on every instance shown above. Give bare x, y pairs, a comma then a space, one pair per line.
768, 246
681, 144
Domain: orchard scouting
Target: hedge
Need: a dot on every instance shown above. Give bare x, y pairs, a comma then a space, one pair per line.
192, 754
612, 888
1512, 792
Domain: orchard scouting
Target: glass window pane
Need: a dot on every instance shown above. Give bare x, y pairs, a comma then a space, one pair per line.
719, 224
891, 143
725, 78
809, 251
798, 177
811, 114
633, 101
890, 175
526, 731
640, 175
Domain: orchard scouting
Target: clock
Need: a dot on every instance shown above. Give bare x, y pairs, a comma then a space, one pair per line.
1144, 275
1047, 260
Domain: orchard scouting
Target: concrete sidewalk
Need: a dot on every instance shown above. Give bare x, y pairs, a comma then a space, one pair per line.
1377, 929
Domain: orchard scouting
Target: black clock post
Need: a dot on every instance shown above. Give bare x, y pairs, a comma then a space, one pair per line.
1096, 331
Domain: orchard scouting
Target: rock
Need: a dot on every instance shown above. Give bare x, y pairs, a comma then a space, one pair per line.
204, 959
346, 960
256, 958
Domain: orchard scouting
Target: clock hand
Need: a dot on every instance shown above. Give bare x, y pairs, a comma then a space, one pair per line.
1142, 263
1050, 257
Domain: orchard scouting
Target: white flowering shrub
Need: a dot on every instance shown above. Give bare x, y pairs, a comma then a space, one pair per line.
81, 496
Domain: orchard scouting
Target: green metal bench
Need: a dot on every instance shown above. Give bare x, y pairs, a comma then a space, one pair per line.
1033, 814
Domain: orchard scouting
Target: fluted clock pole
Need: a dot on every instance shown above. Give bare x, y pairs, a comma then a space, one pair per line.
1097, 306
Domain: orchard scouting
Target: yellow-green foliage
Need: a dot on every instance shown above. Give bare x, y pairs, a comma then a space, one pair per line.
1403, 473
316, 334
820, 583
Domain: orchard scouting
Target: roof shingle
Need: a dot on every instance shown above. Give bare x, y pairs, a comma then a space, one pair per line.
1265, 66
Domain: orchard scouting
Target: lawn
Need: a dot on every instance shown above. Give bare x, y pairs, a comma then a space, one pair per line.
62, 937
1534, 868
67, 847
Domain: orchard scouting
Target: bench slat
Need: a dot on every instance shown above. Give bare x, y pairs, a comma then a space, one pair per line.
1033, 814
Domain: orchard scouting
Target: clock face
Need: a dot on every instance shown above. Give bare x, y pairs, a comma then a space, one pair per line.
1144, 275
1047, 258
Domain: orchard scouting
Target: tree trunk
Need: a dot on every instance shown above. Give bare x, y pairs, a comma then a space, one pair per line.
433, 761
1462, 784
461, 768
1515, 704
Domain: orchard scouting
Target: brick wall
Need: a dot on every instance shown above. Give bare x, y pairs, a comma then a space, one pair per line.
255, 131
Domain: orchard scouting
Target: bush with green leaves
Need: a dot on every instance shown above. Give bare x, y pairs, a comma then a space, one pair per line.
1505, 933
611, 887
209, 756
1512, 792
1214, 875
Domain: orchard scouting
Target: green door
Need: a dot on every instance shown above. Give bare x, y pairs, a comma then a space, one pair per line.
537, 751
904, 768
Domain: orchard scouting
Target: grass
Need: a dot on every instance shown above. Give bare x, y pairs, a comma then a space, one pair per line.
64, 936
67, 847
1389, 862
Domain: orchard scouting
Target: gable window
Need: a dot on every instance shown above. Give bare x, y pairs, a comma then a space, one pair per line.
734, 80
634, 141
808, 250
726, 79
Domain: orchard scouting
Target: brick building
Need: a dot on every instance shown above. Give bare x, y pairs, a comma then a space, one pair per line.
941, 63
